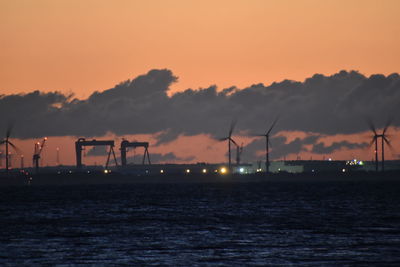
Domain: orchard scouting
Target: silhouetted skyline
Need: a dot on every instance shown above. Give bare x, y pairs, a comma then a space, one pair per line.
321, 107
244, 60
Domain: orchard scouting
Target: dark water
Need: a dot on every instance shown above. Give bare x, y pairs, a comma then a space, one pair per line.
336, 223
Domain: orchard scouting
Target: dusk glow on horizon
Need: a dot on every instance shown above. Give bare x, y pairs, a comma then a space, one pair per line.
123, 69
199, 132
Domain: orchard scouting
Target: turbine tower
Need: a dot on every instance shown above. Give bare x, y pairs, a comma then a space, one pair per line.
22, 162
384, 140
58, 156
239, 151
230, 140
7, 142
267, 143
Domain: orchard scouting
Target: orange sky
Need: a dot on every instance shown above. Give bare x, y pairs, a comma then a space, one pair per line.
85, 45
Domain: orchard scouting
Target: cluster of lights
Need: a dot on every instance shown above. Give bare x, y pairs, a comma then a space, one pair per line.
259, 170
355, 162
107, 171
222, 170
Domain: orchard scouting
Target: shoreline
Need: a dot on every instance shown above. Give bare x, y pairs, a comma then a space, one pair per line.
21, 179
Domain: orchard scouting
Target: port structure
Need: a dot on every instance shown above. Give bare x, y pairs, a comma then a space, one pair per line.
125, 144
36, 154
82, 142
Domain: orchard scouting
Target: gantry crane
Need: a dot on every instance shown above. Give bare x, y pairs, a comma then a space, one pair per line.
82, 142
125, 144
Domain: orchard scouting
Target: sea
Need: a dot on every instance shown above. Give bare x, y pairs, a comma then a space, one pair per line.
202, 224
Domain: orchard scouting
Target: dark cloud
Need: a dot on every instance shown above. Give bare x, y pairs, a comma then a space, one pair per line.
166, 136
138, 156
327, 105
97, 151
279, 147
160, 158
321, 148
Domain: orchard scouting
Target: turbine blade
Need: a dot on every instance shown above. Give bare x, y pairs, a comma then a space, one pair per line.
9, 129
387, 141
233, 124
388, 123
15, 148
233, 141
372, 142
371, 126
272, 126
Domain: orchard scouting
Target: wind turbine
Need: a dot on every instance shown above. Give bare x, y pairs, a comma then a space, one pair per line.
230, 140
384, 140
7, 142
267, 142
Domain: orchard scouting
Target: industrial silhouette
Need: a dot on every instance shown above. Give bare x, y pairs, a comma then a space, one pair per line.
36, 153
81, 142
7, 142
125, 144
384, 140
239, 151
230, 140
58, 156
267, 143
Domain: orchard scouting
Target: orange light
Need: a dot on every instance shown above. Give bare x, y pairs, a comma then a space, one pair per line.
223, 170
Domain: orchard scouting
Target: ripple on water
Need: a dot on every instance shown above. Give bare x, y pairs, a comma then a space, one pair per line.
224, 224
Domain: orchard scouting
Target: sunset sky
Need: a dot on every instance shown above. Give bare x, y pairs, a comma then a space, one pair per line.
85, 46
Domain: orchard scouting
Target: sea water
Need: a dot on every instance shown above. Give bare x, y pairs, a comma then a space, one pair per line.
225, 224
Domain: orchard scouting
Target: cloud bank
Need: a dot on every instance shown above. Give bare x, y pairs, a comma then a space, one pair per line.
336, 104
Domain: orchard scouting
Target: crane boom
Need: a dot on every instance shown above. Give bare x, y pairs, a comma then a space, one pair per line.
42, 145
36, 154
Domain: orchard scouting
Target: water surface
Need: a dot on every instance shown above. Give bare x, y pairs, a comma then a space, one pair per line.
333, 223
